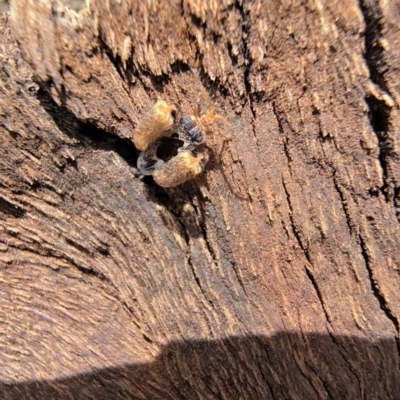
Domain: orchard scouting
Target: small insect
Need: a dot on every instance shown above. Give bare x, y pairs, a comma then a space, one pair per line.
181, 168
194, 128
158, 153
189, 131
181, 153
155, 124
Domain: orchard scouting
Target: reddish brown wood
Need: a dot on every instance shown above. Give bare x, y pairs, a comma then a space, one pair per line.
274, 275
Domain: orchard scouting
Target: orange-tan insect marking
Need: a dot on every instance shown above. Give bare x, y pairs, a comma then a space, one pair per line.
154, 125
175, 153
181, 168
206, 118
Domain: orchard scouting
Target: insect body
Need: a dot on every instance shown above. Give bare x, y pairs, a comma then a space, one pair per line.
189, 131
181, 168
180, 152
154, 125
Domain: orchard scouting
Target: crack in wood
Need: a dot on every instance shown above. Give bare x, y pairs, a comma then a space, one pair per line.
89, 135
197, 279
379, 109
266, 381
345, 355
239, 278
318, 292
283, 137
11, 209
374, 52
295, 230
203, 229
306, 253
343, 202
248, 61
383, 304
327, 393
191, 39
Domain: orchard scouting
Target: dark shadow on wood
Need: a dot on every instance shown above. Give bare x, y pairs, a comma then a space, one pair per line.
87, 133
318, 366
11, 209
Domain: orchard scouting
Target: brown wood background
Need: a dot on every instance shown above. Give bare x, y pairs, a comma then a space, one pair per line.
274, 275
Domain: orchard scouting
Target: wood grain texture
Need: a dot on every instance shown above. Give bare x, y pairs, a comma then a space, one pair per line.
273, 275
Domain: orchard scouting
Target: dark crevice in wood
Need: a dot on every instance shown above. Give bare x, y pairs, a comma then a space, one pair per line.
377, 293
346, 357
379, 114
319, 395
179, 67
295, 230
104, 250
211, 85
184, 231
191, 38
197, 279
334, 340
192, 268
397, 201
127, 73
317, 291
50, 252
158, 81
165, 198
374, 52
11, 209
343, 202
271, 392
87, 133
253, 119
77, 265
233, 57
283, 137
147, 339
78, 246
238, 277
37, 186
248, 61
379, 111
124, 73
203, 229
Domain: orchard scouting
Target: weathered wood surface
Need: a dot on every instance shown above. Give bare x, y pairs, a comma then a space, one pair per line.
275, 275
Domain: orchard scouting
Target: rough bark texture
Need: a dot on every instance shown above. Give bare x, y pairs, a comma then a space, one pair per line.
274, 275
